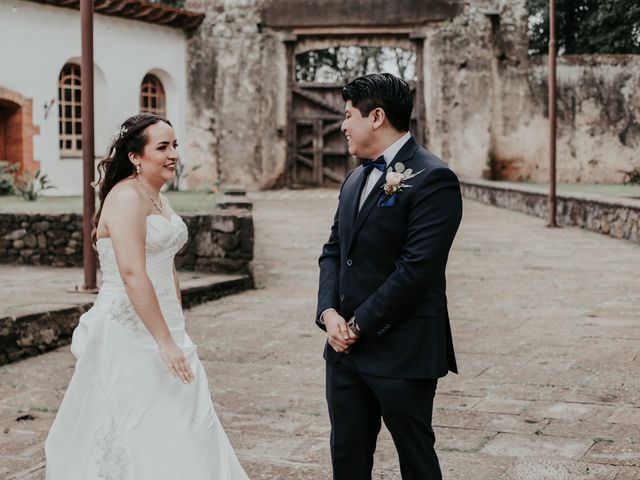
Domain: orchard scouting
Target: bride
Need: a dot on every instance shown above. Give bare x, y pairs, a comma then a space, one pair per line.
138, 406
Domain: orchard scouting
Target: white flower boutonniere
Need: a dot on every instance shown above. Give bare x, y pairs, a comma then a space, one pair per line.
397, 177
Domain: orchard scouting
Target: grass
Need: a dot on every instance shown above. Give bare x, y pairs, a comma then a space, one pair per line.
182, 202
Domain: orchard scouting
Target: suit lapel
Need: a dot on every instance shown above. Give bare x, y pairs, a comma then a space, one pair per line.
351, 199
406, 153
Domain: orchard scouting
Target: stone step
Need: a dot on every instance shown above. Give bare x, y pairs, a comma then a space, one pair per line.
31, 327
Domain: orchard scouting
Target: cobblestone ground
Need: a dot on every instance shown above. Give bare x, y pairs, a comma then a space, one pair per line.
546, 326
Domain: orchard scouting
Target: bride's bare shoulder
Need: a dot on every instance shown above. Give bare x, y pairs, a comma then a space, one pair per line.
125, 196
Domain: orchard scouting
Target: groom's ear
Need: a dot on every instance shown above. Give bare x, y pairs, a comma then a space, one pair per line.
377, 116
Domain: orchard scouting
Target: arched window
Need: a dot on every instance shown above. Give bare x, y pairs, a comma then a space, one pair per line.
152, 96
69, 111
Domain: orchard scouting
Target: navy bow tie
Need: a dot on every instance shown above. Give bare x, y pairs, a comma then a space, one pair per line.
378, 163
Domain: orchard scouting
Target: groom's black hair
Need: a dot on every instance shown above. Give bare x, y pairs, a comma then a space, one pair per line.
385, 91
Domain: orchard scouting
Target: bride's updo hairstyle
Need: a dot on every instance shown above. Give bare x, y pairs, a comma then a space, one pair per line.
131, 137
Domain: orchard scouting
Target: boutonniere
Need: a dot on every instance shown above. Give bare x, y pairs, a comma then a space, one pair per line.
397, 177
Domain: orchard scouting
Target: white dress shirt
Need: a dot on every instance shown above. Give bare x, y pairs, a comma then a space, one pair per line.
375, 174
389, 154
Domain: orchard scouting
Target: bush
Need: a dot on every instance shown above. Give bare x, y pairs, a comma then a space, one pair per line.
7, 170
632, 177
31, 186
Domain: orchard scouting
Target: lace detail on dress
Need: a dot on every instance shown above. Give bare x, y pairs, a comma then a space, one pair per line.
112, 463
122, 312
181, 237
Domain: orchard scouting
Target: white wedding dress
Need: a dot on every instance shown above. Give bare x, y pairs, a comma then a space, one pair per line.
124, 416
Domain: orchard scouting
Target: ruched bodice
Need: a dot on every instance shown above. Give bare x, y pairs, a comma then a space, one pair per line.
165, 237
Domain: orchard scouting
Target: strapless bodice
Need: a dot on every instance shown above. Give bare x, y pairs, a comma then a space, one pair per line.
165, 238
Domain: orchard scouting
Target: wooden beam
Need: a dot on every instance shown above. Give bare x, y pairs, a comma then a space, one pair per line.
333, 175
304, 161
319, 102
318, 146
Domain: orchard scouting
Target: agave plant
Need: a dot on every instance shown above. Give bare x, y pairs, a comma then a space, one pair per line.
632, 177
30, 186
174, 186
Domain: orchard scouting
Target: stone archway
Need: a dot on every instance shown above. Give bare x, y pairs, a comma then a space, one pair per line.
17, 131
313, 111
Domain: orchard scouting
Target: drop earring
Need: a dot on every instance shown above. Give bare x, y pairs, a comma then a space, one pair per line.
138, 169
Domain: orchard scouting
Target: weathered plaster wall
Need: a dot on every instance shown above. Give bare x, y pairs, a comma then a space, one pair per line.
457, 77
465, 64
237, 97
485, 99
598, 120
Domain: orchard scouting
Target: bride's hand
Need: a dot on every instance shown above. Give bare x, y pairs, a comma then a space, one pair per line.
176, 361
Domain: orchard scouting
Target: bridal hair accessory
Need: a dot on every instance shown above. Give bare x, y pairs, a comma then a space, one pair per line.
119, 133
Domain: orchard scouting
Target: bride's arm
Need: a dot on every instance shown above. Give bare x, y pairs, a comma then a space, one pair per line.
125, 218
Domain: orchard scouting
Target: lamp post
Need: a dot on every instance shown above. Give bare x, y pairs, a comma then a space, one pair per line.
88, 148
551, 202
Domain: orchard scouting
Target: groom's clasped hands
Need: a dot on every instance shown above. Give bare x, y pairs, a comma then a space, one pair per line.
339, 335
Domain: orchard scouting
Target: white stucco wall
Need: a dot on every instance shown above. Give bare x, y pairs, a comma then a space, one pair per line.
38, 40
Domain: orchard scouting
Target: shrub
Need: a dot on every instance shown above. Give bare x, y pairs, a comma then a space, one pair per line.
7, 170
30, 186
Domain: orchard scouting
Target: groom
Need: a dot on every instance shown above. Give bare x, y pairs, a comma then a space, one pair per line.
382, 296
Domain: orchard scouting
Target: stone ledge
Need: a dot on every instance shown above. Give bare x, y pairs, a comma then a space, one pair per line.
221, 241
31, 333
616, 217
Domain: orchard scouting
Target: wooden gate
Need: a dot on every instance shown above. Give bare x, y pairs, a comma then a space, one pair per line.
317, 150
320, 156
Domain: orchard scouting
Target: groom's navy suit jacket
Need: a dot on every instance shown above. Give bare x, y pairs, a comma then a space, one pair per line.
385, 265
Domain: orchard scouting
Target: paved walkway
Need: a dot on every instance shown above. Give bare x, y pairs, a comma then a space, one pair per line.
546, 325
27, 289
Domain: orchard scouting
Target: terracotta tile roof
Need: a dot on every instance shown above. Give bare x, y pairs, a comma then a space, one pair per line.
137, 10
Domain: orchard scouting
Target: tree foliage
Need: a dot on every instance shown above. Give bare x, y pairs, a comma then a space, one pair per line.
343, 64
170, 3
586, 26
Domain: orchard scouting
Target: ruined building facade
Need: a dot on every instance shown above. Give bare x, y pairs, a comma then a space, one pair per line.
481, 99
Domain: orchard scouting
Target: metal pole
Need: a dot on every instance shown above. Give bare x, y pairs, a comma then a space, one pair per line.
88, 148
552, 115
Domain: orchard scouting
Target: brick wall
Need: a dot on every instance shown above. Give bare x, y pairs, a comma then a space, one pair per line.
17, 130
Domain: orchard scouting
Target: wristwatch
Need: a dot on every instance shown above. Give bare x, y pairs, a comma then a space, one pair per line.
353, 326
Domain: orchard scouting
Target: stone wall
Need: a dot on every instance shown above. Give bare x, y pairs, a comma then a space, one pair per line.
487, 102
598, 120
221, 242
237, 88
485, 97
37, 239
618, 218
30, 334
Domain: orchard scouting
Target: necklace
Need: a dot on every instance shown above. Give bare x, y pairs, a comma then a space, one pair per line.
155, 204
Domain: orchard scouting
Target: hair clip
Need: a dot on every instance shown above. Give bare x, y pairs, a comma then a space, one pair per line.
121, 131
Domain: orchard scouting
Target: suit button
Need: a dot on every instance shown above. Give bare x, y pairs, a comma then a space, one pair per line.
342, 298
349, 262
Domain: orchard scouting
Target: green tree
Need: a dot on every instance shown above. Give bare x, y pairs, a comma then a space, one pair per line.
170, 3
343, 64
586, 26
